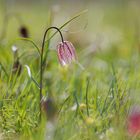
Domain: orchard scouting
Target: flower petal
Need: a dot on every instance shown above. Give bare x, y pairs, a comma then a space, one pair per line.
66, 53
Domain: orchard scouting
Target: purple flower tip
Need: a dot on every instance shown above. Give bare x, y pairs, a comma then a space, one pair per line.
66, 53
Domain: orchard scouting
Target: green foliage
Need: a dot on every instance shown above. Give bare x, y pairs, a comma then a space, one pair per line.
93, 103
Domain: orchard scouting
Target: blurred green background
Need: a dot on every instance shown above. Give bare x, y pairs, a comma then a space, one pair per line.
107, 41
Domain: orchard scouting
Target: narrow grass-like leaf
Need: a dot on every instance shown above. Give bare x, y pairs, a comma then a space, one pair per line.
77, 103
64, 103
30, 75
28, 70
105, 101
67, 22
35, 82
31, 41
80, 65
87, 104
4, 70
49, 23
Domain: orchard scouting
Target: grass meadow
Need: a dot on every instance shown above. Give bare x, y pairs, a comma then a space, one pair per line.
89, 99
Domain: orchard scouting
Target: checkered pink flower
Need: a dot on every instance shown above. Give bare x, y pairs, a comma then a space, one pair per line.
66, 53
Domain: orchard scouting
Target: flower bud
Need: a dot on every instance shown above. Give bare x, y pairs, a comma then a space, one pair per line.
82, 106
66, 53
89, 120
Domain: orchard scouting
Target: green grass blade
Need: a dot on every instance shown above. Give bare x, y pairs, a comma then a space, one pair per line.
4, 70
67, 22
31, 41
30, 75
87, 87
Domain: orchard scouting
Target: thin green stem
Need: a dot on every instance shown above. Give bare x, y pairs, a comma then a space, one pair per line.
64, 103
87, 96
3, 68
41, 57
67, 22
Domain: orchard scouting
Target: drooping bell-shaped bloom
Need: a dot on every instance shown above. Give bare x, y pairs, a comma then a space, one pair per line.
24, 32
134, 122
66, 53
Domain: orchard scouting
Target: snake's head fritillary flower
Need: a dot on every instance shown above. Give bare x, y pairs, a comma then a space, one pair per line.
24, 32
134, 122
66, 53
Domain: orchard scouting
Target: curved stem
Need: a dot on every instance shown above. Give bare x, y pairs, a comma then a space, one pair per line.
42, 51
67, 22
